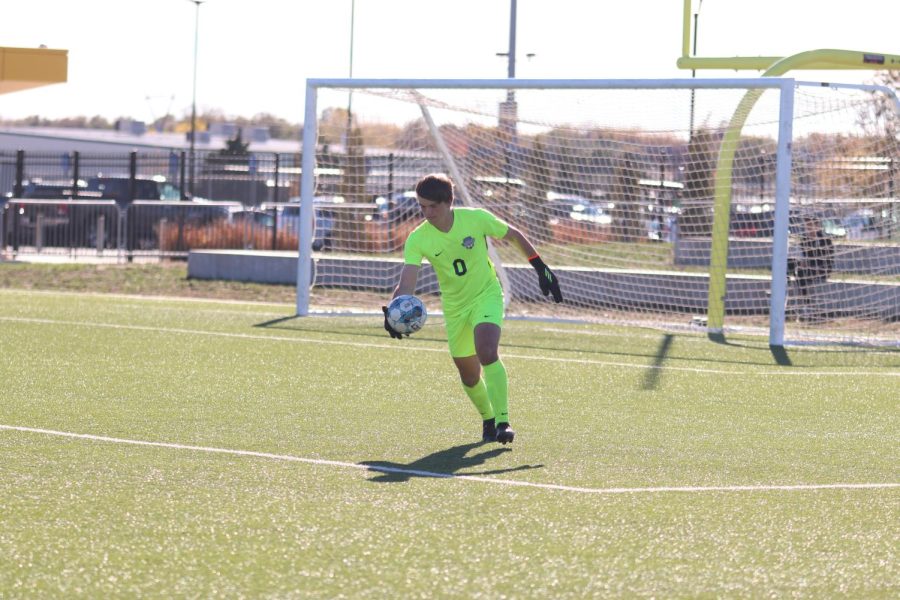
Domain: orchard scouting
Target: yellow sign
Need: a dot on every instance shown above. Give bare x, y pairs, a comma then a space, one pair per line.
25, 68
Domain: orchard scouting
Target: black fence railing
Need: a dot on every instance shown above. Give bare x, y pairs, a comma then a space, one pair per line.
251, 179
83, 228
104, 227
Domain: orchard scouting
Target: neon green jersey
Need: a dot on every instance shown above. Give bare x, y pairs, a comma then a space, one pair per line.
460, 256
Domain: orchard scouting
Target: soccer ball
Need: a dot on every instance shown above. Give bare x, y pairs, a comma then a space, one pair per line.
406, 314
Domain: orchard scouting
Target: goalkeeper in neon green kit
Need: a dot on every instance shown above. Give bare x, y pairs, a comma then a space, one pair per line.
454, 241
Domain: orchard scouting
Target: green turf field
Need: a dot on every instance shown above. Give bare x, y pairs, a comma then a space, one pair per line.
170, 448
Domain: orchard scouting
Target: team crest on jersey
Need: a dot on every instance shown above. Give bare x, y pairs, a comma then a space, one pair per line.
468, 243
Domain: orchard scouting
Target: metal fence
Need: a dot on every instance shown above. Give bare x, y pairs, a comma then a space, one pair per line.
160, 204
79, 228
104, 228
250, 179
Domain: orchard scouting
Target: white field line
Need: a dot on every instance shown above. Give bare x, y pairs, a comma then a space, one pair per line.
143, 298
418, 473
419, 348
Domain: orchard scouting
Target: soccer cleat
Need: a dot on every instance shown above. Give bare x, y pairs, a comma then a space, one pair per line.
505, 433
488, 430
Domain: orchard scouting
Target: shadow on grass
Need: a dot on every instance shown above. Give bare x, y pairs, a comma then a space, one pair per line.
717, 337
442, 464
779, 353
279, 324
651, 377
277, 321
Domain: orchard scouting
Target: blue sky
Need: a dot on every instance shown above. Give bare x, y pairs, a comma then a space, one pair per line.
135, 57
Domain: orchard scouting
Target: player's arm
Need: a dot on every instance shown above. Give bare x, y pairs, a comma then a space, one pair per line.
409, 275
546, 279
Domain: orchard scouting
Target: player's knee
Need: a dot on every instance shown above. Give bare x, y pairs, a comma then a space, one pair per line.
487, 355
469, 371
470, 378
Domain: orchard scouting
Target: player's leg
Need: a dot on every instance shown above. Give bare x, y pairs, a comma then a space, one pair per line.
487, 341
487, 347
817, 282
803, 286
470, 372
462, 350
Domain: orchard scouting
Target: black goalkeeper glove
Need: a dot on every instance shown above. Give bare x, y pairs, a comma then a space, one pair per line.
547, 280
387, 326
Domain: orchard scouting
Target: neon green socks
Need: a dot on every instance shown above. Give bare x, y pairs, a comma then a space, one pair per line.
497, 384
478, 394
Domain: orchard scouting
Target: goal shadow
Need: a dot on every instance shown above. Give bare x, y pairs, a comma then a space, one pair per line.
659, 358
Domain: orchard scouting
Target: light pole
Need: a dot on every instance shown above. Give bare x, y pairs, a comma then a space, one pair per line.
508, 108
191, 154
508, 113
350, 93
694, 71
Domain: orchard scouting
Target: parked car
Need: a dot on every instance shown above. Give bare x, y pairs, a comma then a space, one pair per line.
392, 220
144, 217
53, 219
288, 219
323, 223
752, 223
155, 187
51, 216
82, 224
398, 207
48, 189
861, 225
576, 219
118, 188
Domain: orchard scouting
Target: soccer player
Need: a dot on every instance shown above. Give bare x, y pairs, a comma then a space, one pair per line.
454, 241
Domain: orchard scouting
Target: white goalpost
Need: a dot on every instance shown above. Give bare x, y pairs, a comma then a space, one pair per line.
648, 218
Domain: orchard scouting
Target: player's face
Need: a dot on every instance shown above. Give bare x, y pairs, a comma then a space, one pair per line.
435, 213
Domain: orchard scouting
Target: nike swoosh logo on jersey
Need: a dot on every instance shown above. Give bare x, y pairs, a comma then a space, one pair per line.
438, 253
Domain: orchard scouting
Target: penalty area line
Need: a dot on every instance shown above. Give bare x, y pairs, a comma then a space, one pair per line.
432, 474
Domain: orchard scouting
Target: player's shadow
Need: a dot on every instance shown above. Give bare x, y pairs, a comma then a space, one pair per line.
444, 463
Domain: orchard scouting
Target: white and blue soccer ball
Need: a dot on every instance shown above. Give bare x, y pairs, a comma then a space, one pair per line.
406, 314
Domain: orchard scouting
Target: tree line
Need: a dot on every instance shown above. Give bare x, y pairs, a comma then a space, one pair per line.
278, 128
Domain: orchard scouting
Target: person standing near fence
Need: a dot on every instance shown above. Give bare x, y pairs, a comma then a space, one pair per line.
812, 269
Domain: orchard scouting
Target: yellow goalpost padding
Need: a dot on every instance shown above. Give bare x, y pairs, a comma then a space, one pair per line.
772, 66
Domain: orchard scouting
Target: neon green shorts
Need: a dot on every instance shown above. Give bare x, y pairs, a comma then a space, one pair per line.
461, 325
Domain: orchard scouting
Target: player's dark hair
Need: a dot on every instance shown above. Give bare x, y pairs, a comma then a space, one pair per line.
435, 187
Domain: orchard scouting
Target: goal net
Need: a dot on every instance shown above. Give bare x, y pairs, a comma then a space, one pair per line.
640, 195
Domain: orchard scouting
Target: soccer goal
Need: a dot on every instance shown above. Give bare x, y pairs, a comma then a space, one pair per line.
666, 203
